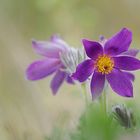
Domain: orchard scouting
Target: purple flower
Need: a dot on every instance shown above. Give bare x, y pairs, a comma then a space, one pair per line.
51, 50
109, 61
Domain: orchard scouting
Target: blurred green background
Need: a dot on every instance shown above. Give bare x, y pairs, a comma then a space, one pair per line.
28, 111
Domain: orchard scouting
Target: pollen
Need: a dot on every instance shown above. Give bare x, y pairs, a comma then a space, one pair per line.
104, 64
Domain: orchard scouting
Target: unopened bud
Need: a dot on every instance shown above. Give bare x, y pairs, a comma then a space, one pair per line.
124, 116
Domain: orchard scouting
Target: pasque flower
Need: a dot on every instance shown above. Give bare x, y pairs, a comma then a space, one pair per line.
109, 61
125, 116
51, 63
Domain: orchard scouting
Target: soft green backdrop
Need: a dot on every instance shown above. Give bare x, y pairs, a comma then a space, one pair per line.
28, 111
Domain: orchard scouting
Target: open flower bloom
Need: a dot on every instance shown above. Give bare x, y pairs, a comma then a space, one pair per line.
109, 61
51, 50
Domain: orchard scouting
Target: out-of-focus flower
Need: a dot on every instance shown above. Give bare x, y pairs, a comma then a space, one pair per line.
72, 58
55, 53
109, 60
124, 116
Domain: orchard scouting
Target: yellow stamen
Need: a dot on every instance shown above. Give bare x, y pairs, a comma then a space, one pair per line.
104, 64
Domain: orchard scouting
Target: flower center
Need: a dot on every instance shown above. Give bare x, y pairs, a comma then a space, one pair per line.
104, 64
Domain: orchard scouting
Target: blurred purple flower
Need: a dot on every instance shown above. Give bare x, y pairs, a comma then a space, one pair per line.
109, 61
52, 63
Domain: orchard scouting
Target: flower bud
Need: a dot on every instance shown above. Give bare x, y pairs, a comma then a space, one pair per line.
124, 116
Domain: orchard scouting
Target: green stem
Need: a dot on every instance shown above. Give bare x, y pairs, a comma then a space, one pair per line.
83, 85
103, 102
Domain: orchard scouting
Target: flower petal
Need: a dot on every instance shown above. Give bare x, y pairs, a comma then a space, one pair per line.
97, 84
56, 39
120, 83
42, 68
57, 81
48, 49
84, 70
130, 75
118, 43
93, 49
69, 79
126, 63
131, 52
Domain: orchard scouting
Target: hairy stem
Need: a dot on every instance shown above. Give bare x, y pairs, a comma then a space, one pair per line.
83, 85
103, 101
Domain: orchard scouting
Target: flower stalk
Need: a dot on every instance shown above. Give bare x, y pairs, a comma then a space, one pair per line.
83, 86
103, 102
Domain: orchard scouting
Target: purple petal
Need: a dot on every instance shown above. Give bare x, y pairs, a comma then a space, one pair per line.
48, 49
56, 39
127, 63
84, 70
131, 52
57, 81
69, 79
97, 84
120, 83
130, 75
42, 68
118, 43
93, 49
